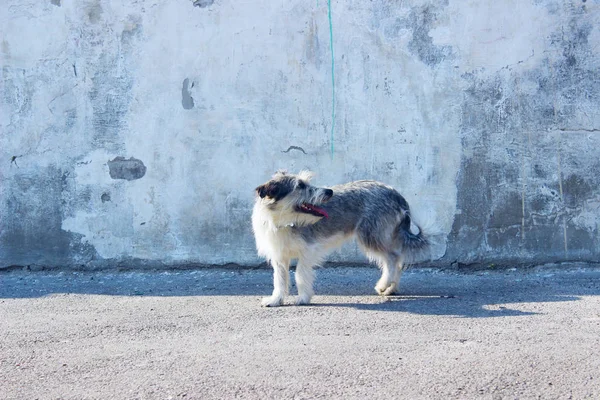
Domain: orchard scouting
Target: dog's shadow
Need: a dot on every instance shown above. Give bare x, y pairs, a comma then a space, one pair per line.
441, 305
483, 295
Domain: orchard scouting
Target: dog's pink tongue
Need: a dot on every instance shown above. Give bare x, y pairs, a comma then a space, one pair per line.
321, 211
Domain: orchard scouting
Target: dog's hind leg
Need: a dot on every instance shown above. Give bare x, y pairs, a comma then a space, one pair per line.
395, 281
281, 283
375, 241
394, 284
390, 274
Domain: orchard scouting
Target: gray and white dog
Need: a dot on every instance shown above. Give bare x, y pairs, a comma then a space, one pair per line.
295, 220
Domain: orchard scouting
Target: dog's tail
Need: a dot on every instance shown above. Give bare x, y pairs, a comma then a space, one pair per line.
417, 241
412, 242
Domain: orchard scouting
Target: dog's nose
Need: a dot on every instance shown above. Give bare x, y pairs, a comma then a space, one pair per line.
328, 193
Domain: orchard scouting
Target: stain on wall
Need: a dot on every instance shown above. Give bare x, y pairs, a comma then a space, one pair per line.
128, 169
203, 3
186, 98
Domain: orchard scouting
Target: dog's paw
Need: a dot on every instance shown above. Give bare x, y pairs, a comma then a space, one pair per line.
303, 300
380, 288
271, 301
390, 290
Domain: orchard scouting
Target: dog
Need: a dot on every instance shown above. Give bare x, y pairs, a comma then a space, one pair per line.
292, 219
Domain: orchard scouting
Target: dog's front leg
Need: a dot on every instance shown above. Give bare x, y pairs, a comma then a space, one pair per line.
305, 277
281, 283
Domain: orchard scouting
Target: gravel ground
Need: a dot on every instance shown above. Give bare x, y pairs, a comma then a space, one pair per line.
203, 335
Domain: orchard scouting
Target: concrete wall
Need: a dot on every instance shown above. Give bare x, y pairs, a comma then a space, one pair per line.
134, 132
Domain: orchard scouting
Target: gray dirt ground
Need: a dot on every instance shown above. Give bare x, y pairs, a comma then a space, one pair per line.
203, 335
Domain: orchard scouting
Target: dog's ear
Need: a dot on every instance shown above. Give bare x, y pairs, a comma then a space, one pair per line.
269, 189
273, 190
263, 190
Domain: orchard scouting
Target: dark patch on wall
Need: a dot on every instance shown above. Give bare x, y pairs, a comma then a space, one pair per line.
32, 212
505, 239
543, 207
131, 169
518, 153
187, 101
581, 242
576, 190
472, 218
105, 197
421, 20
203, 3
544, 241
539, 171
94, 12
507, 211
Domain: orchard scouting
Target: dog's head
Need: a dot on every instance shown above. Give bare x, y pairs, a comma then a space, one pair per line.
292, 200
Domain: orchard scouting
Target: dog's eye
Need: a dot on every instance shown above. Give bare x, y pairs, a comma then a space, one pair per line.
301, 185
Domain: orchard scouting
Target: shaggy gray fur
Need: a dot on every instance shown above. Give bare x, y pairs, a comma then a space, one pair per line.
365, 207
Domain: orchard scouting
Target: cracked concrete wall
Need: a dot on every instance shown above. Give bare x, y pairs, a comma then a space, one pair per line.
133, 133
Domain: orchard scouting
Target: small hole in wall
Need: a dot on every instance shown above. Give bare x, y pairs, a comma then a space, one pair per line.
105, 197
